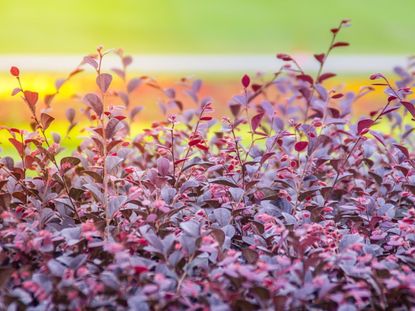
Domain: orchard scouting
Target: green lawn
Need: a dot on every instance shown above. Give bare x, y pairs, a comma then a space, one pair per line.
214, 26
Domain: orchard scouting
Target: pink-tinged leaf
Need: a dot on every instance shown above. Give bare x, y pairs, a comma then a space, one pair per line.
91, 61
363, 125
75, 72
403, 149
95, 103
70, 115
170, 93
16, 91
306, 78
378, 138
59, 83
410, 107
69, 162
46, 120
134, 112
103, 81
196, 86
31, 97
163, 165
326, 76
235, 108
320, 57
48, 99
376, 76
340, 44
133, 84
389, 110
127, 60
300, 146
119, 72
256, 120
245, 81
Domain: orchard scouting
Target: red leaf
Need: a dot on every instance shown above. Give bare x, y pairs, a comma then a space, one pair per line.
75, 72
320, 57
14, 71
48, 99
326, 76
31, 97
340, 44
179, 161
391, 98
202, 147
17, 144
363, 125
284, 57
300, 146
194, 142
338, 95
256, 87
207, 118
306, 78
46, 120
410, 107
245, 81
256, 120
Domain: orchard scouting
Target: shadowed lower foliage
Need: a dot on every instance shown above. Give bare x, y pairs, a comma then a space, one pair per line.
284, 204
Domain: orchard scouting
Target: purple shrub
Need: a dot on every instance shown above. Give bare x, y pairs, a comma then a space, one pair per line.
313, 212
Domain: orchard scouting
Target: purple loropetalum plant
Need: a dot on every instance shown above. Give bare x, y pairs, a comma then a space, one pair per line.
284, 203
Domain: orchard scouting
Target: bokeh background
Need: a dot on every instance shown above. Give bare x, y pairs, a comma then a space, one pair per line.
32, 32
214, 26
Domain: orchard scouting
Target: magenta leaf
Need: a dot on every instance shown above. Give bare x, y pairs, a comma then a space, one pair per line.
363, 125
306, 78
245, 81
300, 146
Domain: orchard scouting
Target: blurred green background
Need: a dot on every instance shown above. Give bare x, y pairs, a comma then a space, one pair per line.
214, 26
